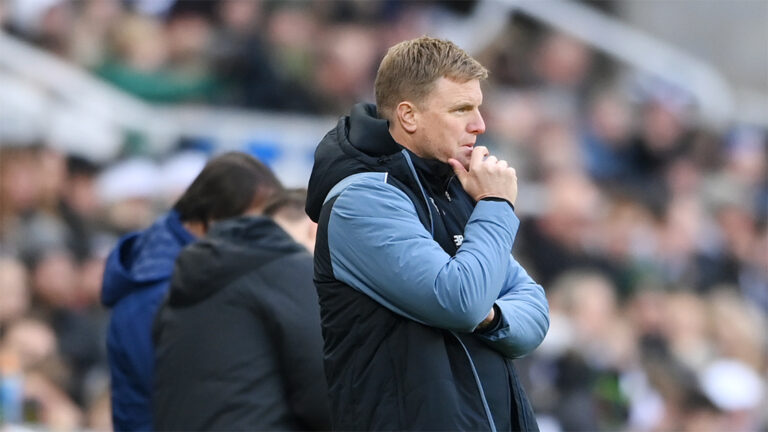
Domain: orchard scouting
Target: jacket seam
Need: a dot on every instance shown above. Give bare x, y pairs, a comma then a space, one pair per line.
479, 385
423, 192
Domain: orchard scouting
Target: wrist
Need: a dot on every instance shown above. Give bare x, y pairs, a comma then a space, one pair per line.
494, 198
488, 326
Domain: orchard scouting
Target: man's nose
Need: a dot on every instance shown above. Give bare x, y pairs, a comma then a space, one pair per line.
477, 125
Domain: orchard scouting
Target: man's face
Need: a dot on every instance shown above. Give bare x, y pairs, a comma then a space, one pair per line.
449, 121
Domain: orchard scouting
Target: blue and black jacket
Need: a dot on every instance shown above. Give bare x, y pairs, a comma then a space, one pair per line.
406, 266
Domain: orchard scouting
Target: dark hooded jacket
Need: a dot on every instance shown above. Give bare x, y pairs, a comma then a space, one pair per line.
238, 343
136, 278
406, 266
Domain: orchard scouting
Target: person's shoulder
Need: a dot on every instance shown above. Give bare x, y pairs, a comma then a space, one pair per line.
142, 298
368, 188
369, 199
288, 275
359, 183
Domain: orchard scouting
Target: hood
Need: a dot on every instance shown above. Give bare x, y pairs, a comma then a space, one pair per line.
143, 259
231, 249
360, 142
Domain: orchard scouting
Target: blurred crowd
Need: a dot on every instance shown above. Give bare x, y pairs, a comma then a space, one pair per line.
646, 227
310, 56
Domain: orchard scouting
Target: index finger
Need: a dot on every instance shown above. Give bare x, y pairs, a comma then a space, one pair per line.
478, 155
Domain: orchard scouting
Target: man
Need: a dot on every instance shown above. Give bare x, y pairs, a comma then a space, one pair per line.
287, 209
238, 342
139, 268
423, 307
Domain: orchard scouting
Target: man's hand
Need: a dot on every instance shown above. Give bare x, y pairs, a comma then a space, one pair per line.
484, 324
487, 176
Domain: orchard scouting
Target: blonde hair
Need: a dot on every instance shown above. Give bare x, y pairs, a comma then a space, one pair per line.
410, 69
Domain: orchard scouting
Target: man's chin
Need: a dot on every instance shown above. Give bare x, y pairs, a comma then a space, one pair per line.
464, 157
464, 162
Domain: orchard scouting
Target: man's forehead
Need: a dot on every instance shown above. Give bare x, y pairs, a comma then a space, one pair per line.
451, 91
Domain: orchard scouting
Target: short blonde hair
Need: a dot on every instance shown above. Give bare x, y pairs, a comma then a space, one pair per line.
410, 69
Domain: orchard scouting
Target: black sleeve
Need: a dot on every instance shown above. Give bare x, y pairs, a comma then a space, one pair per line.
299, 340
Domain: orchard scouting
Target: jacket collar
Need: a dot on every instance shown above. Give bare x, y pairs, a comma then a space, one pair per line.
434, 171
370, 134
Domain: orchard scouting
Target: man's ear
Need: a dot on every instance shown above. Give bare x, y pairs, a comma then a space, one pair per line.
406, 114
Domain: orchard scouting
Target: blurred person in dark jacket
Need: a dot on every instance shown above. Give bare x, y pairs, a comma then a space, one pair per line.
238, 342
262, 58
139, 269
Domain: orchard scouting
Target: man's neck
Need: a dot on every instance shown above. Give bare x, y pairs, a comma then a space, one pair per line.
197, 229
403, 138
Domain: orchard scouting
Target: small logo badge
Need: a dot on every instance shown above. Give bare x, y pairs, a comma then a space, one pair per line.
458, 239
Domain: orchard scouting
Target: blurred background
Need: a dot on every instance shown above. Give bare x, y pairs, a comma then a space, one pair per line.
638, 130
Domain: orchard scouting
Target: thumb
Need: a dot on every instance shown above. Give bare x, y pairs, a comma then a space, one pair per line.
458, 169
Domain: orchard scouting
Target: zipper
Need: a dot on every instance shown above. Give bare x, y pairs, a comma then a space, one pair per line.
432, 232
447, 187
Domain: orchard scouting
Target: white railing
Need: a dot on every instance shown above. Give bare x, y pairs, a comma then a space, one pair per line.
86, 115
642, 51
77, 90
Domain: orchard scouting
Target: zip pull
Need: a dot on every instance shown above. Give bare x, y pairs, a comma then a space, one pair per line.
448, 187
439, 210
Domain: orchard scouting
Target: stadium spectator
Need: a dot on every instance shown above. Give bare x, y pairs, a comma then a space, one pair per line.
31, 346
287, 209
14, 290
139, 268
242, 322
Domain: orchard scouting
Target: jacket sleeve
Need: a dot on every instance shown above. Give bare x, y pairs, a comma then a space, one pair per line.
296, 326
524, 314
378, 246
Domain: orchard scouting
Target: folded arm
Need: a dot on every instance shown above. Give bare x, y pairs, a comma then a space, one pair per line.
524, 317
379, 246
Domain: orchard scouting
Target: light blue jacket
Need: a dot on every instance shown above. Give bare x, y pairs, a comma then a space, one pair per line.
378, 246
